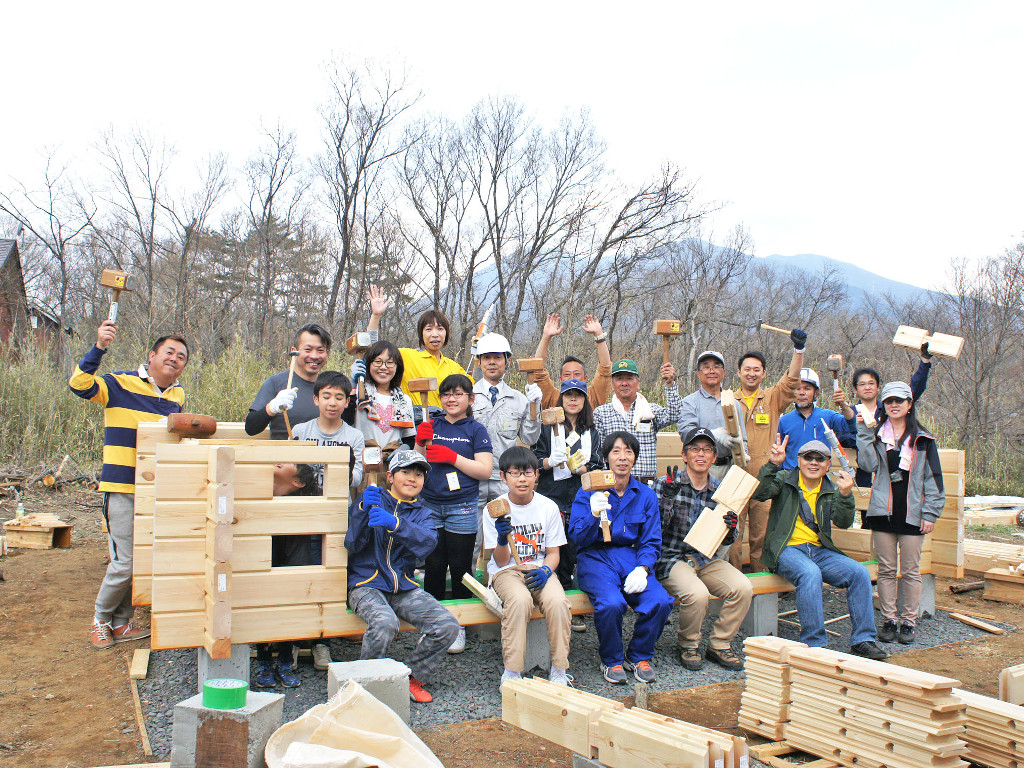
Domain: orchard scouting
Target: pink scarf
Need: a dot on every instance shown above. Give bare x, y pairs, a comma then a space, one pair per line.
888, 437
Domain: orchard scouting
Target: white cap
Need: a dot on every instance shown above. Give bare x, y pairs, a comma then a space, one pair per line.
808, 375
492, 343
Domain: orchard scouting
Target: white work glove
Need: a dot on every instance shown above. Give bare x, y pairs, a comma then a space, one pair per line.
533, 393
558, 455
636, 581
358, 371
282, 401
724, 439
599, 503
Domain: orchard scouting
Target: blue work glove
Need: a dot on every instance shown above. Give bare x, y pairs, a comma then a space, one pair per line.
536, 578
799, 339
381, 519
358, 371
371, 496
503, 525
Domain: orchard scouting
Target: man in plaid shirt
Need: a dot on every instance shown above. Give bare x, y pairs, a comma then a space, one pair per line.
630, 412
686, 573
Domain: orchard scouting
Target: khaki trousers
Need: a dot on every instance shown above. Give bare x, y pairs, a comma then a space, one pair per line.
694, 587
909, 581
519, 602
755, 520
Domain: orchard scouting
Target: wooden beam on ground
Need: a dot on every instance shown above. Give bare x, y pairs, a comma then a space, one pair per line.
140, 664
978, 623
147, 750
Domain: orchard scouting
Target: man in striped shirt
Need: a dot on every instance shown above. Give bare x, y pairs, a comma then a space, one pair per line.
128, 397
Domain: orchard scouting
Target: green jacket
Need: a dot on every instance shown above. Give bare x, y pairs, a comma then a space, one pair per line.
782, 487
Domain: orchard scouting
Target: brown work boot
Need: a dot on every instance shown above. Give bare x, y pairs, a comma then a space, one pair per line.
101, 636
691, 659
129, 631
725, 657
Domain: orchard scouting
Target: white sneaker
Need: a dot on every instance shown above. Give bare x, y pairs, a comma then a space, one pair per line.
560, 677
321, 656
460, 642
508, 674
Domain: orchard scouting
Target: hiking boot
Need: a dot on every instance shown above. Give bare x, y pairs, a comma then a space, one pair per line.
642, 671
460, 642
725, 657
907, 634
264, 675
888, 632
508, 674
287, 676
578, 624
869, 649
101, 635
560, 677
691, 659
321, 656
127, 632
418, 693
614, 674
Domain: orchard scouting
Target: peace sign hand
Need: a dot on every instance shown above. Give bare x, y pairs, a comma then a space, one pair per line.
778, 452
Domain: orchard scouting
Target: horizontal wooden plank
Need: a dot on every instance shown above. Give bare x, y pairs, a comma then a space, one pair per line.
152, 434
269, 452
289, 586
188, 482
291, 515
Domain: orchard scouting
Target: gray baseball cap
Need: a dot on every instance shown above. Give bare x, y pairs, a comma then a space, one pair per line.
407, 458
895, 389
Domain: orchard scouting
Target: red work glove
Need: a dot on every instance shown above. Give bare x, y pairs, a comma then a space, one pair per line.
441, 454
424, 433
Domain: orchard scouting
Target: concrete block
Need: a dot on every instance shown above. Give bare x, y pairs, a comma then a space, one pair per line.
538, 649
385, 679
485, 631
234, 668
763, 616
228, 738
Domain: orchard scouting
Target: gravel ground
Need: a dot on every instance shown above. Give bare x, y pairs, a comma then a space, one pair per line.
467, 684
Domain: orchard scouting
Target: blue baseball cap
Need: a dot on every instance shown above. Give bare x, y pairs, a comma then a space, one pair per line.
574, 384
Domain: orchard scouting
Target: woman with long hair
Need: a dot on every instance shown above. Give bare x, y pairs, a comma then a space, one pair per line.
386, 414
907, 497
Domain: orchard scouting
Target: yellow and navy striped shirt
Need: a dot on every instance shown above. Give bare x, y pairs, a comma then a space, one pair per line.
128, 397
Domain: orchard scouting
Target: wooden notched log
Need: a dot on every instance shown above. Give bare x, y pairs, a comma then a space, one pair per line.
709, 531
940, 344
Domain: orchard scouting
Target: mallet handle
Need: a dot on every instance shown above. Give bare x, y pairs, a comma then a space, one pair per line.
514, 551
766, 327
426, 410
533, 403
606, 527
112, 314
284, 412
665, 341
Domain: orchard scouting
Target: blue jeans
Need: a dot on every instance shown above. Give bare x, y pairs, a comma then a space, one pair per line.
807, 566
454, 518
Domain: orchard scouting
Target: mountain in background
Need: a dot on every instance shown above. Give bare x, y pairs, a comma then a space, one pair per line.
858, 279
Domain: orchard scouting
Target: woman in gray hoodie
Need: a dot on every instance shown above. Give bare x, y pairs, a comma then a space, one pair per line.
906, 499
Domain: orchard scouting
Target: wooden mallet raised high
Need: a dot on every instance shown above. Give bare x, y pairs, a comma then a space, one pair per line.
765, 327
501, 508
424, 386
530, 366
356, 344
600, 480
834, 364
116, 281
666, 329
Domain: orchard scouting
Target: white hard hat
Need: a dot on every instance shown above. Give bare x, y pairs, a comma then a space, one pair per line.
808, 375
493, 343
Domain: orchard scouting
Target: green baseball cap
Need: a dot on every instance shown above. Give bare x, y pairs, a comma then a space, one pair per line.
625, 366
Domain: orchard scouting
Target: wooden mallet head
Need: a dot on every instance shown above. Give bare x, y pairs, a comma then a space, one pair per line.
530, 366
554, 415
117, 281
598, 480
834, 363
358, 342
666, 329
501, 508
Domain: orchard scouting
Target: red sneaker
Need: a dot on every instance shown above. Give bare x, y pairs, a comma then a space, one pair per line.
127, 632
101, 636
418, 693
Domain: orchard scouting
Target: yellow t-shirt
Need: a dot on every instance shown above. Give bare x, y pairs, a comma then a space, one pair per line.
801, 533
750, 401
420, 364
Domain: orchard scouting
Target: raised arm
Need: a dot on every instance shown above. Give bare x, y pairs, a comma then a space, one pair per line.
379, 304
552, 327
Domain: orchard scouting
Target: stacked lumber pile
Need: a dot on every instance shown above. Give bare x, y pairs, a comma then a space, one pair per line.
948, 536
993, 510
1004, 585
39, 530
981, 556
601, 728
995, 730
1011, 684
869, 713
764, 705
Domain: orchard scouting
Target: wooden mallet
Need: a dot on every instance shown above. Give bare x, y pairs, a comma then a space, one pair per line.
530, 366
373, 460
765, 327
191, 425
116, 281
600, 480
501, 508
834, 363
666, 329
554, 417
292, 354
356, 344
424, 386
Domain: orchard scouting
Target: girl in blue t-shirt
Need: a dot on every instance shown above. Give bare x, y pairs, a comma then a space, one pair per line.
460, 456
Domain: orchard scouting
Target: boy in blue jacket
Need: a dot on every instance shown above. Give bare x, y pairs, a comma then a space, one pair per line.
388, 534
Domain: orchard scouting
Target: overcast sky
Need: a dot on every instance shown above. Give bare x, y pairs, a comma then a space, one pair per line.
883, 134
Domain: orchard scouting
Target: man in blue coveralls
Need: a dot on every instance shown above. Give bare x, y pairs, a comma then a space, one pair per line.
804, 423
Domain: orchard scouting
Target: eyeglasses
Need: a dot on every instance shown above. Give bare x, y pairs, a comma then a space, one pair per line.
515, 474
706, 449
454, 394
384, 364
894, 400
816, 457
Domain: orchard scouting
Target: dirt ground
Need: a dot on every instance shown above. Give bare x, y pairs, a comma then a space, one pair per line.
64, 705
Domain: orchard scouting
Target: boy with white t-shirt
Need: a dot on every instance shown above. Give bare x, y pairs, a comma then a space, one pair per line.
535, 528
